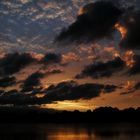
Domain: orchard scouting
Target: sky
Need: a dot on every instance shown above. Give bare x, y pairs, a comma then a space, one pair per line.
70, 54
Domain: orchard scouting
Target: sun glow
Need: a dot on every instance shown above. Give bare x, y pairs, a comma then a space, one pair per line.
68, 105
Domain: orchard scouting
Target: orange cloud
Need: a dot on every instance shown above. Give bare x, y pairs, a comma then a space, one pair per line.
121, 29
70, 57
129, 85
86, 9
37, 56
129, 58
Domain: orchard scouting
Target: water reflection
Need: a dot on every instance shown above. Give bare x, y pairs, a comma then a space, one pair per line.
70, 132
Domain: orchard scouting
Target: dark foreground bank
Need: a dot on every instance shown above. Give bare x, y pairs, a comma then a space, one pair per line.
100, 115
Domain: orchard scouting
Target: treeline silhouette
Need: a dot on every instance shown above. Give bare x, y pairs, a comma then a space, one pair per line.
99, 115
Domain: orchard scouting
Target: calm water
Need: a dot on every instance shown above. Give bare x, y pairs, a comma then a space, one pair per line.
70, 132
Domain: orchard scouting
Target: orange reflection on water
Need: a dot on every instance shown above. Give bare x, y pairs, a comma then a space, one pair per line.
69, 134
71, 137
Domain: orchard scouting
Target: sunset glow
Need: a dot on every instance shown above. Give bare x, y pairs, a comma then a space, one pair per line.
69, 55
69, 105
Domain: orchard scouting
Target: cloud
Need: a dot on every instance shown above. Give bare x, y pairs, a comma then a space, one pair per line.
32, 81
101, 18
69, 90
102, 69
137, 86
25, 22
60, 59
51, 58
7, 81
73, 91
96, 21
131, 65
132, 87
13, 63
135, 69
54, 71
132, 39
14, 97
70, 57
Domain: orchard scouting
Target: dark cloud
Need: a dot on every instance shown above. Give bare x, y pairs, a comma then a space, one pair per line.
101, 69
17, 98
51, 58
63, 91
73, 91
1, 92
109, 88
97, 21
7, 81
135, 69
126, 92
137, 86
132, 24
32, 81
54, 71
12, 63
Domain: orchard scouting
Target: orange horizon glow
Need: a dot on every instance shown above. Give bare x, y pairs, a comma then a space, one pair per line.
68, 105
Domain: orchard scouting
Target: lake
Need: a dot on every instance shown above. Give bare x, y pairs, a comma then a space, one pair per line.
70, 132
